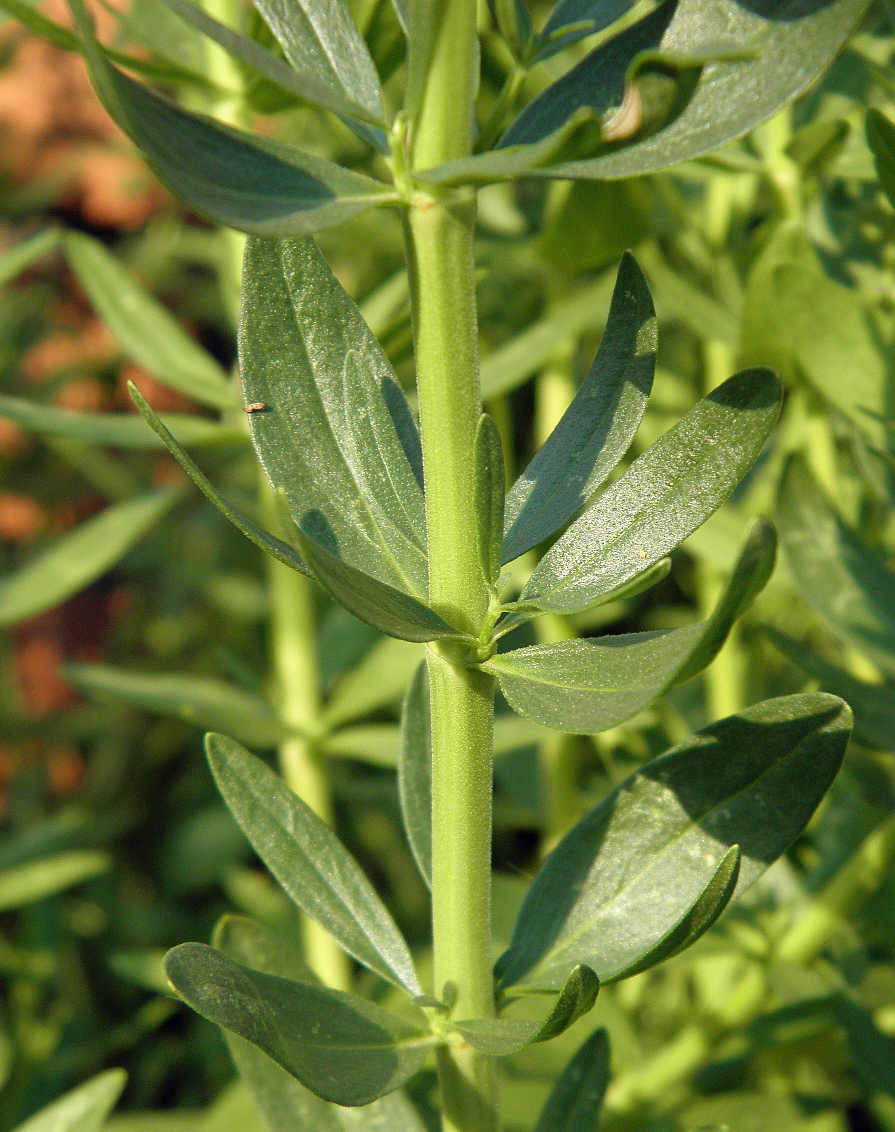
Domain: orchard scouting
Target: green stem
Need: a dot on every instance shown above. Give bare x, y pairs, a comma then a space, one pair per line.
439, 232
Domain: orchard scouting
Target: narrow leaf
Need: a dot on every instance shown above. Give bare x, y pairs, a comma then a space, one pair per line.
844, 582
514, 22
337, 435
577, 1097
310, 863
637, 863
343, 1048
663, 497
19, 258
374, 743
572, 20
147, 332
48, 876
881, 139
84, 1109
118, 430
273, 546
415, 771
242, 180
376, 603
379, 681
209, 704
491, 492
80, 557
597, 428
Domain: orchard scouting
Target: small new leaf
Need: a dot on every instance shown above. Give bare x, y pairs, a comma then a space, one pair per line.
577, 1097
489, 497
415, 771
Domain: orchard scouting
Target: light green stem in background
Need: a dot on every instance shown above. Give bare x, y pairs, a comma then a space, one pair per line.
439, 232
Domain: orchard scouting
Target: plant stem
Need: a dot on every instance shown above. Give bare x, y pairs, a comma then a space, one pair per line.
439, 231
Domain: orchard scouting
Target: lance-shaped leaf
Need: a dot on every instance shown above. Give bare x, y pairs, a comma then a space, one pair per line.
846, 583
663, 497
47, 876
247, 182
285, 1104
373, 743
500, 1037
343, 1048
597, 428
782, 49
309, 861
380, 680
146, 331
585, 686
118, 430
577, 1097
415, 771
512, 17
84, 1109
489, 498
17, 259
210, 704
376, 603
572, 20
635, 866
269, 543
881, 139
337, 435
80, 557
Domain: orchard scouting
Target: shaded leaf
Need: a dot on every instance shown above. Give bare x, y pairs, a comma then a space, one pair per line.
210, 704
846, 583
633, 867
577, 1097
597, 428
663, 497
881, 139
415, 771
514, 22
83, 1109
311, 864
48, 876
17, 259
80, 556
572, 20
343, 1048
247, 182
146, 331
491, 491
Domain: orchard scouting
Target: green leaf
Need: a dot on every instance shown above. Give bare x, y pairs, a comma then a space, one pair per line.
19, 258
872, 1052
373, 743
376, 603
415, 771
491, 491
873, 704
572, 20
379, 681
635, 865
514, 22
785, 47
337, 435
271, 545
881, 139
80, 557
247, 182
597, 428
84, 1109
575, 1102
209, 704
846, 584
341, 1047
119, 430
310, 863
147, 332
285, 1104
663, 497
48, 876
500, 1037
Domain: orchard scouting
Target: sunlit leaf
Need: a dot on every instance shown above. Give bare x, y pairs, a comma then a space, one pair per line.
83, 1109
48, 876
575, 1102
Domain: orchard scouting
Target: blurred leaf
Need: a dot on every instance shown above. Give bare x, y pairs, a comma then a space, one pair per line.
816, 145
83, 1109
271, 545
19, 258
242, 180
257, 946
310, 863
379, 681
664, 496
597, 428
635, 865
118, 430
337, 435
80, 556
373, 743
843, 581
147, 332
415, 771
48, 876
491, 491
572, 20
385, 607
345, 1049
881, 139
514, 22
575, 1102
873, 1053
209, 704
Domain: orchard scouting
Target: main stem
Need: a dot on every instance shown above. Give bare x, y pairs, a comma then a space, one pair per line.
439, 233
